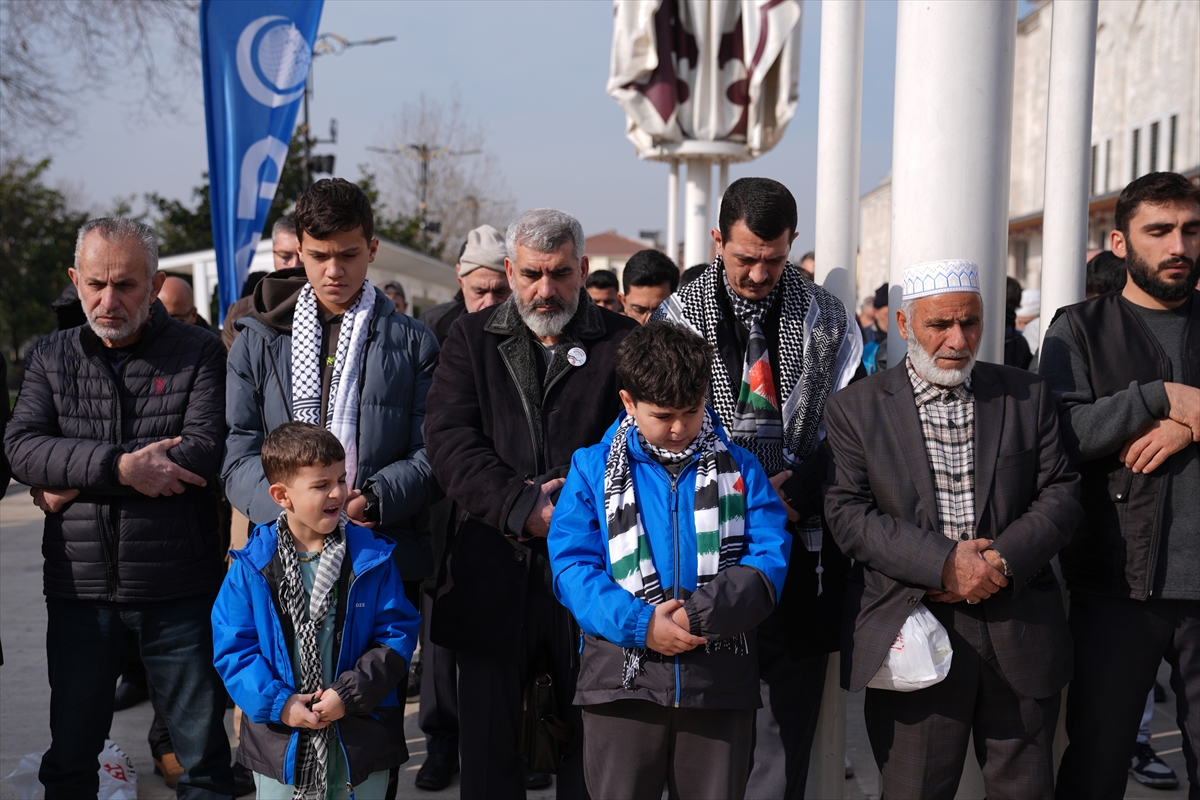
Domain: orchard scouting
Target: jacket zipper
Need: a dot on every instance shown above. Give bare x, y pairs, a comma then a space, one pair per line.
675, 539
537, 449
104, 515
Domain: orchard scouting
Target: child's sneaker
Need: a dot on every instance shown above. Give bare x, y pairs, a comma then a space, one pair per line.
1150, 770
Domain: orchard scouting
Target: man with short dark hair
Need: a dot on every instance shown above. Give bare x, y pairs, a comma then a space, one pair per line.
1105, 273
808, 265
285, 254
649, 279
519, 389
604, 290
325, 346
1125, 367
118, 428
395, 293
782, 346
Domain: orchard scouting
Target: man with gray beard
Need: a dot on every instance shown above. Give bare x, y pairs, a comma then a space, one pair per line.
952, 492
519, 388
119, 429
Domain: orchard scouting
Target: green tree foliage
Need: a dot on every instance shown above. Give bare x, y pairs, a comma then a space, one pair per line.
37, 246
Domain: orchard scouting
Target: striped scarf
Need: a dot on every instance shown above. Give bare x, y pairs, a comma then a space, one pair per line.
341, 417
312, 751
720, 514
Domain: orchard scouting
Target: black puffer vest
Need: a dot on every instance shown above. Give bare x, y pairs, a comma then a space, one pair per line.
75, 417
1115, 548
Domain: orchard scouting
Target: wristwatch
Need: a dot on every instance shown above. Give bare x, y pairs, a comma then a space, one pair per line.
371, 512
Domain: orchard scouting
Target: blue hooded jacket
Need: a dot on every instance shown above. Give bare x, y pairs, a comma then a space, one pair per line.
375, 635
612, 618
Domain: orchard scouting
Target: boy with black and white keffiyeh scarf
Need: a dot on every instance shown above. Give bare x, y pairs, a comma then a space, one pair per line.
668, 545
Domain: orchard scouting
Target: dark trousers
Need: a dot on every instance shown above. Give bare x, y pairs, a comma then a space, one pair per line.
490, 694
633, 748
1118, 646
920, 738
438, 717
786, 724
85, 650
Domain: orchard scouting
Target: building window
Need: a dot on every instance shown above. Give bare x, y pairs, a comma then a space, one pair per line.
1092, 185
1171, 143
1107, 165
1153, 147
1133, 155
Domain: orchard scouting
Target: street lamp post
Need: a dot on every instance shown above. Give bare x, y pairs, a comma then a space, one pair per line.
424, 153
327, 44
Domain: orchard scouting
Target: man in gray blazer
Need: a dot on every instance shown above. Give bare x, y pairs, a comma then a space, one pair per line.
953, 489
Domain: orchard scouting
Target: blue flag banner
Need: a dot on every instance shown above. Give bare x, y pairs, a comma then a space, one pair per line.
256, 55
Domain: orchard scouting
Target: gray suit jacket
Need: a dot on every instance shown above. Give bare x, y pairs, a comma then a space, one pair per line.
882, 509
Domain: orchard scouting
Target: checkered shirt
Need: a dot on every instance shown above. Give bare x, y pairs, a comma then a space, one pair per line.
948, 426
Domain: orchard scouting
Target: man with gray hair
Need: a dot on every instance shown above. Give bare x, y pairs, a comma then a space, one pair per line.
518, 390
119, 429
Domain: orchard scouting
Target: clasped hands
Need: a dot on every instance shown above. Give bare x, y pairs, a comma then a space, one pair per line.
314, 711
668, 631
972, 572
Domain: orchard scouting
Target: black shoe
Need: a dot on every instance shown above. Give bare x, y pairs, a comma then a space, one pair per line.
129, 695
434, 775
537, 780
1150, 770
243, 780
1160, 694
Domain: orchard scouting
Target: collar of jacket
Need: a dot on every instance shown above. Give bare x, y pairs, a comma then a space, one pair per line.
363, 546
275, 325
158, 319
586, 324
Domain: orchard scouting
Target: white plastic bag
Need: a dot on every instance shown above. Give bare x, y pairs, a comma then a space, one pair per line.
118, 780
919, 656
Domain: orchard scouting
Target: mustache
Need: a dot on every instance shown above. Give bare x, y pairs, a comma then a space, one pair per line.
547, 302
952, 354
1178, 261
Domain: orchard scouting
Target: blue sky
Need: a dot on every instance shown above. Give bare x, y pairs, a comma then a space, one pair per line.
533, 73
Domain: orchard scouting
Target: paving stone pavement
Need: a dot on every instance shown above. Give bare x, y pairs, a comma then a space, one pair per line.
25, 694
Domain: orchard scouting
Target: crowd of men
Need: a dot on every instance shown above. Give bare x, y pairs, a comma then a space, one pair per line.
939, 483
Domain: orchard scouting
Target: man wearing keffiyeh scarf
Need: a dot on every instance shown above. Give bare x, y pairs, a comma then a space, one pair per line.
783, 345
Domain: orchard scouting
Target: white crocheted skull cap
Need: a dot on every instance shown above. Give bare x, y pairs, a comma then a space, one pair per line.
940, 277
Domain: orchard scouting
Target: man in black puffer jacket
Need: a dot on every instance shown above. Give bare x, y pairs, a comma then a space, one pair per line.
119, 428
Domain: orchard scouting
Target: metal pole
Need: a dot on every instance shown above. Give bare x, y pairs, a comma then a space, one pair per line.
423, 154
696, 224
839, 125
1068, 153
673, 212
951, 148
307, 171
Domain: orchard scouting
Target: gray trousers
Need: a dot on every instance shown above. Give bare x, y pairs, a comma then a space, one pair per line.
633, 748
920, 738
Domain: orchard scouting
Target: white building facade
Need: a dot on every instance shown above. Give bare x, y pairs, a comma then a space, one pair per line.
1145, 118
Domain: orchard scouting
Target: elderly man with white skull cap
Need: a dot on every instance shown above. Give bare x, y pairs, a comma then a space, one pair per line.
952, 492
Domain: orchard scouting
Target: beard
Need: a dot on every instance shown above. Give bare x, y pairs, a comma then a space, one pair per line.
124, 329
925, 365
1150, 281
546, 323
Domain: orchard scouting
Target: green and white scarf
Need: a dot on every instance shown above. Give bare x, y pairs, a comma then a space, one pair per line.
720, 514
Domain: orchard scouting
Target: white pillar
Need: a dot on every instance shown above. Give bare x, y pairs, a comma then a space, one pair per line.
951, 148
696, 222
673, 211
1068, 156
839, 124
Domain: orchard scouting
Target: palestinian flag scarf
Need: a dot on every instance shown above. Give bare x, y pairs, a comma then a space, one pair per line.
720, 515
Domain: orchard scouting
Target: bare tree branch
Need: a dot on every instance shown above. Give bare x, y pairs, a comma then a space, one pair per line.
53, 52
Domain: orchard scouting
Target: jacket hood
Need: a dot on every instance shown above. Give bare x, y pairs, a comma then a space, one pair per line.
588, 322
366, 548
275, 298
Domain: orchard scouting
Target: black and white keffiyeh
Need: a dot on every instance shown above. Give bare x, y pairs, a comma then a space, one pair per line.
819, 349
720, 515
341, 417
312, 751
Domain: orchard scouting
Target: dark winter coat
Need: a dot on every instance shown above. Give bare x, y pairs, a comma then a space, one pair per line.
442, 316
398, 363
492, 428
72, 420
375, 630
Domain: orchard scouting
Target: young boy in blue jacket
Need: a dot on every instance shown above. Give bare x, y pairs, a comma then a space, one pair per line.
669, 546
312, 634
